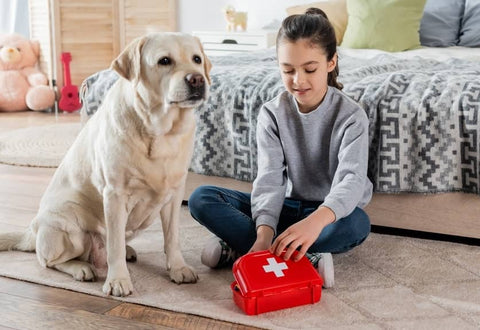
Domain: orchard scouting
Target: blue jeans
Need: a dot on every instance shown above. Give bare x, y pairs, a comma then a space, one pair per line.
227, 214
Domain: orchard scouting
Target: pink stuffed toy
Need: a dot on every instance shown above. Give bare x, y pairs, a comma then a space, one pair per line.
22, 85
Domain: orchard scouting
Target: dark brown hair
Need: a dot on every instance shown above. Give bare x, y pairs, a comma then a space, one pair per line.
315, 26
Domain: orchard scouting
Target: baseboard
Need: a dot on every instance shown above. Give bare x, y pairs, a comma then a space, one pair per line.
425, 235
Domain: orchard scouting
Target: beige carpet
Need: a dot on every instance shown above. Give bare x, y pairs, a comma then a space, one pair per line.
388, 282
40, 146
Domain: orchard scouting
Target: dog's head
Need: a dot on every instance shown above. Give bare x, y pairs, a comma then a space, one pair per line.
170, 68
229, 11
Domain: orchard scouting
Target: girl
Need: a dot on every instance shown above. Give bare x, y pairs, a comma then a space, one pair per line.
312, 163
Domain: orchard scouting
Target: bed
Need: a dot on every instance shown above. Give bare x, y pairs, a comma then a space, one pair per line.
423, 106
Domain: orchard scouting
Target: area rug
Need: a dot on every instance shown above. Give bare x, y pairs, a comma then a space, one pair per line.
387, 282
39, 146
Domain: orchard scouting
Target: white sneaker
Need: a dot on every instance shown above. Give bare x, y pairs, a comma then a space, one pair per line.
324, 264
217, 254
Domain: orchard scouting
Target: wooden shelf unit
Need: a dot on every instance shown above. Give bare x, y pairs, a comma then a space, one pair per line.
93, 31
223, 42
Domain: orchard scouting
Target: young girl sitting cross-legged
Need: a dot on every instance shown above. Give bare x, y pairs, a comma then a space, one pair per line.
312, 163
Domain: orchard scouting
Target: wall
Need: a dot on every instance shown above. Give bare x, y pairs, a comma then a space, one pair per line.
14, 17
194, 15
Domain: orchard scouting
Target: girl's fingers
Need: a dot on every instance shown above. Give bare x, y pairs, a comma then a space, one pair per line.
280, 243
290, 243
291, 249
275, 243
301, 252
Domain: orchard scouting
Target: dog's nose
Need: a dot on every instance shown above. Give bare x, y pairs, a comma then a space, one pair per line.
195, 80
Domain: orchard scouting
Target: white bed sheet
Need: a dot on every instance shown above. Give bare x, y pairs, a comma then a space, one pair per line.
438, 53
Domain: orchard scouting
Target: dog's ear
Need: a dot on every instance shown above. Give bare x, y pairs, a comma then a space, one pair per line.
127, 64
207, 65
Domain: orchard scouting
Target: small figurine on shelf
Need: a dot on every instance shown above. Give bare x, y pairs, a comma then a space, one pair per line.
235, 18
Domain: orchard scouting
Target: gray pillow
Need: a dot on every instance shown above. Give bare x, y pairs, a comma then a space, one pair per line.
441, 22
470, 30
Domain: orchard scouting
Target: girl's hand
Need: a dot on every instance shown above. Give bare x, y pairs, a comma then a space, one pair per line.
264, 239
302, 234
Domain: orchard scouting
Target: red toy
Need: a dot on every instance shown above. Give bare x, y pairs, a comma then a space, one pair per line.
69, 99
265, 282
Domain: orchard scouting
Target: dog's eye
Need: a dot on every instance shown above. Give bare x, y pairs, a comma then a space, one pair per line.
197, 59
165, 61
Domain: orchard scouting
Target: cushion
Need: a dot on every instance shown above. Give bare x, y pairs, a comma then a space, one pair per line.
470, 29
390, 25
336, 11
440, 24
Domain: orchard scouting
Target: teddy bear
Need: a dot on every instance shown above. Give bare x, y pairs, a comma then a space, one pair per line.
235, 18
22, 85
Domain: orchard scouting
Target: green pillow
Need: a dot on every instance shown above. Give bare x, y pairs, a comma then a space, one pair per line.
390, 25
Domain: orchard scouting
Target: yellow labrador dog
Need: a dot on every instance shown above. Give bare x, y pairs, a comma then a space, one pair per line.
127, 166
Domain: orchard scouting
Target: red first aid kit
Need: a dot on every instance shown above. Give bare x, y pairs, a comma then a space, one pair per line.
265, 282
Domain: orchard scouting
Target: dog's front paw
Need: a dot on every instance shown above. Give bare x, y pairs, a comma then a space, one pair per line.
183, 274
84, 272
118, 287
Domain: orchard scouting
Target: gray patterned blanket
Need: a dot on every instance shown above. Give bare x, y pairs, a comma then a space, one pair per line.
424, 118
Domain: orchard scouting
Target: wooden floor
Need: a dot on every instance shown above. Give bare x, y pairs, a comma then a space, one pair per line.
30, 306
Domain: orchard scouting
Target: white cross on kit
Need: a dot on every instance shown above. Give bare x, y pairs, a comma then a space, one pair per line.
275, 267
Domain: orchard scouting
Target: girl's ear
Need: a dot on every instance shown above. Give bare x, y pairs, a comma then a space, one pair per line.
332, 63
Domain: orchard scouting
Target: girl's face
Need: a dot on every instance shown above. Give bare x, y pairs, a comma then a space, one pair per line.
304, 69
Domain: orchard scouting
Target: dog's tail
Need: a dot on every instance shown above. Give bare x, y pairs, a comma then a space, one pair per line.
18, 241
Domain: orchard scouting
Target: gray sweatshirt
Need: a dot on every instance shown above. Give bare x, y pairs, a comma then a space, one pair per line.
317, 156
